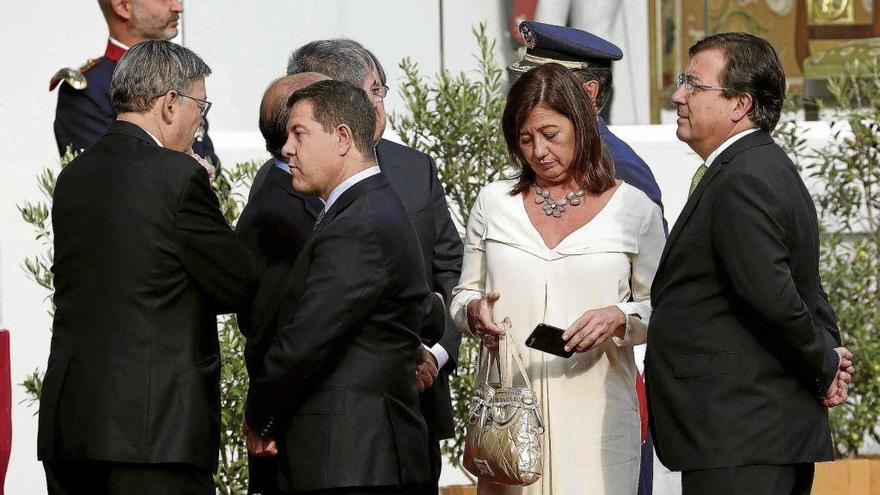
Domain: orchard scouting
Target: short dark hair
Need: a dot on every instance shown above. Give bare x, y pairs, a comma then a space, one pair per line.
336, 103
751, 66
601, 75
555, 86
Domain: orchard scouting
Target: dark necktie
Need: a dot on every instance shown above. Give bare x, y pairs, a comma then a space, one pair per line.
318, 220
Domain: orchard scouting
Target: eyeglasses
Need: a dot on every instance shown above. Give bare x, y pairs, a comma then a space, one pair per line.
379, 91
204, 105
692, 86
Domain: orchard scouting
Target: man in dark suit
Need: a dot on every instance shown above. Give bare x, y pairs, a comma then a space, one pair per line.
336, 393
144, 260
743, 354
413, 177
274, 225
84, 111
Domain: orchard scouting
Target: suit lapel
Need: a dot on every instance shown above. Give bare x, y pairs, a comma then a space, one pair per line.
750, 141
282, 179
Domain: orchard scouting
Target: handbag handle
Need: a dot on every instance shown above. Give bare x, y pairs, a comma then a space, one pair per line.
509, 350
483, 370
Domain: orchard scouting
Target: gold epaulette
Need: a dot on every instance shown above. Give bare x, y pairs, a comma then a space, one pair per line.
73, 77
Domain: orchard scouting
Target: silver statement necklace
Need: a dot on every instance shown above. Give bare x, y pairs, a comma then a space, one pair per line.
556, 208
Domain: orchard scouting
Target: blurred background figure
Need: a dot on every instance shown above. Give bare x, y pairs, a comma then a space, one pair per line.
84, 111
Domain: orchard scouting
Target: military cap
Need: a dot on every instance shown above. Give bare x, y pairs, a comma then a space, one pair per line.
573, 48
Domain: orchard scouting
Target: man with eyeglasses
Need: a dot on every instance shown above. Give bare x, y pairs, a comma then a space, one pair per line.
743, 356
144, 261
413, 177
84, 110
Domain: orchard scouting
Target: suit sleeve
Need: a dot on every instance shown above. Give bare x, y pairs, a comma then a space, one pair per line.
750, 242
345, 280
826, 318
446, 266
210, 251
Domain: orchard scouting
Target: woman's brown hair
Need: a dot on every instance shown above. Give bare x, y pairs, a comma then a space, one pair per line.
556, 87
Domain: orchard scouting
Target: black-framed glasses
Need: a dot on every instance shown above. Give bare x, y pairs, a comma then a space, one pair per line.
692, 86
379, 91
204, 105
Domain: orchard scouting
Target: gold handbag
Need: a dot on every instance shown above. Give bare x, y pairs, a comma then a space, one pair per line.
505, 431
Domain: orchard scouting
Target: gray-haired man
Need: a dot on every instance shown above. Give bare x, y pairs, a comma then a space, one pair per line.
144, 260
413, 178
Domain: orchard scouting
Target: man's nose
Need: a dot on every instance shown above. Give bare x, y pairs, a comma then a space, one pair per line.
679, 96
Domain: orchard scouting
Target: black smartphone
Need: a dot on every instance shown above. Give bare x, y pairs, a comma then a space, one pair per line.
548, 339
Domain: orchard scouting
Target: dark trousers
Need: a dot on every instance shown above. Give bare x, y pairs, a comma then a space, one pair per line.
263, 475
68, 477
436, 459
646, 468
371, 490
792, 479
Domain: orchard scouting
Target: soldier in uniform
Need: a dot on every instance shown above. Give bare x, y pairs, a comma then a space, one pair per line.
84, 112
590, 58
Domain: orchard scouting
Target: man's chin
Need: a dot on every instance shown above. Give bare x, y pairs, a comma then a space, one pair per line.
169, 34
681, 132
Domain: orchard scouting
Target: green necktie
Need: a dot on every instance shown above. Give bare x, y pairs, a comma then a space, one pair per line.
701, 170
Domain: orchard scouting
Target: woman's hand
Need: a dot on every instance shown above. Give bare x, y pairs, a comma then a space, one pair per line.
479, 318
594, 328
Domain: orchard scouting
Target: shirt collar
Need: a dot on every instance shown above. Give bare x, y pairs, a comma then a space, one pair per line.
154, 138
115, 50
347, 183
119, 43
282, 166
726, 144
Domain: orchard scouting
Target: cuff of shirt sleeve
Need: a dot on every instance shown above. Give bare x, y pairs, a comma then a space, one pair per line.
439, 354
460, 316
630, 312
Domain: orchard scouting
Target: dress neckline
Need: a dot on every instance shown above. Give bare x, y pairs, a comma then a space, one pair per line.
537, 233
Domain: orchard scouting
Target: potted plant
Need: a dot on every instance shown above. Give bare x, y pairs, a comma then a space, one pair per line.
848, 205
456, 120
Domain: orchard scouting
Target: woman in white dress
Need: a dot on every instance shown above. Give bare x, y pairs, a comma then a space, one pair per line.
584, 265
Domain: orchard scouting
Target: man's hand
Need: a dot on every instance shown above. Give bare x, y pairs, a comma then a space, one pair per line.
257, 445
426, 370
204, 163
837, 392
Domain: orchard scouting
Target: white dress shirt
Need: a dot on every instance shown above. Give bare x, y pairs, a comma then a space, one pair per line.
726, 144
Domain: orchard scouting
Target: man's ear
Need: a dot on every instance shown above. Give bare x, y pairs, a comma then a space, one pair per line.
122, 8
744, 103
592, 89
169, 107
345, 140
